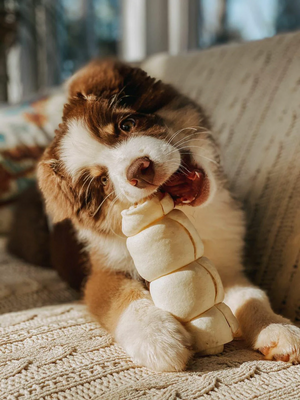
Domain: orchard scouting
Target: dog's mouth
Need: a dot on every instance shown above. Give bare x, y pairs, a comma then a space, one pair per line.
189, 185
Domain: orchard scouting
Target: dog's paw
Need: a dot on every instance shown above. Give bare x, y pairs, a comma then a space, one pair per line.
280, 342
153, 337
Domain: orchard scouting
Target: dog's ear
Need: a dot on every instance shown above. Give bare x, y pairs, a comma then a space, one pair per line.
104, 78
95, 79
55, 186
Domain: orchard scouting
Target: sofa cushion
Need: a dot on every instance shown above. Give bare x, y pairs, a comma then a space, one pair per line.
24, 286
252, 94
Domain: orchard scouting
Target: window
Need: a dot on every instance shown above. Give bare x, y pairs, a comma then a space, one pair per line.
42, 42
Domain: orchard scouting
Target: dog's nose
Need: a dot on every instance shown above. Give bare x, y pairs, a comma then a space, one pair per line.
141, 172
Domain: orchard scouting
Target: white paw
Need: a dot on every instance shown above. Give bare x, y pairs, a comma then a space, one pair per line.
153, 337
279, 342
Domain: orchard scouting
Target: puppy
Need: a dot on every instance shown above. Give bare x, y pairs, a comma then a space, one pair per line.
123, 137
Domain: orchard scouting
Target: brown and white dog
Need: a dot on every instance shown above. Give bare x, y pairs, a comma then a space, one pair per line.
124, 136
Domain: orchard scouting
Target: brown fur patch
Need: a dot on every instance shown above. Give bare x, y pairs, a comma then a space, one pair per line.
109, 129
80, 200
68, 255
108, 294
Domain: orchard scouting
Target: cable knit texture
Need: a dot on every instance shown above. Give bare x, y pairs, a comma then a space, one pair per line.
59, 352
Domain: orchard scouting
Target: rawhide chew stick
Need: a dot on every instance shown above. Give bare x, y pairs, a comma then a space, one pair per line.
168, 252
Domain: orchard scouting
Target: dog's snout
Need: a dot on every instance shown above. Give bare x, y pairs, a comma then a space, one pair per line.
141, 172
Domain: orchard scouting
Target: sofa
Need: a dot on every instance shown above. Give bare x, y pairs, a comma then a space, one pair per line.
51, 348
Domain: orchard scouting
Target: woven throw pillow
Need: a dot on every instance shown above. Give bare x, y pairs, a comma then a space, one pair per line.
252, 93
25, 130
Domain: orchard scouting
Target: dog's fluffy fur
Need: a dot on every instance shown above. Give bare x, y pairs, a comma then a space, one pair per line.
83, 178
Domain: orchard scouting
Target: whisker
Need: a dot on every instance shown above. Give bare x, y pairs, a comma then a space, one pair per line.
110, 210
118, 101
198, 128
79, 175
172, 137
181, 168
117, 95
173, 151
102, 202
207, 158
112, 100
177, 133
189, 147
178, 148
185, 138
87, 190
86, 179
114, 103
88, 176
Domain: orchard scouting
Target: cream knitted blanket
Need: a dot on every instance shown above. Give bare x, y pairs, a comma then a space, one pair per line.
59, 352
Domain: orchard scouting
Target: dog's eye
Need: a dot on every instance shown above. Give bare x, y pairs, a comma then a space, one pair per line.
128, 124
104, 180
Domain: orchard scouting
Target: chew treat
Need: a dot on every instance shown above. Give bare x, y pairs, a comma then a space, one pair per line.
168, 252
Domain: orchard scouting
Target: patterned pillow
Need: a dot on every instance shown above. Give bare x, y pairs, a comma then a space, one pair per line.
25, 130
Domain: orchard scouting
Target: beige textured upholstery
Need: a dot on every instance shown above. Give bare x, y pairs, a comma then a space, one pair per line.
60, 353
24, 286
252, 92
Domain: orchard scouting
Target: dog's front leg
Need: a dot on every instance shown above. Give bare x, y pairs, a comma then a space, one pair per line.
270, 333
152, 337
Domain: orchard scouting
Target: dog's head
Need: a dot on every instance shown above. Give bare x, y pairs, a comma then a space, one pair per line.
123, 137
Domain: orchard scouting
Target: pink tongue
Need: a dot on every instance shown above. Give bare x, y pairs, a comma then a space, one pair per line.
184, 188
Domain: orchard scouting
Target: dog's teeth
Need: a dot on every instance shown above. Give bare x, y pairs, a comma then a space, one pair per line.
186, 201
192, 176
